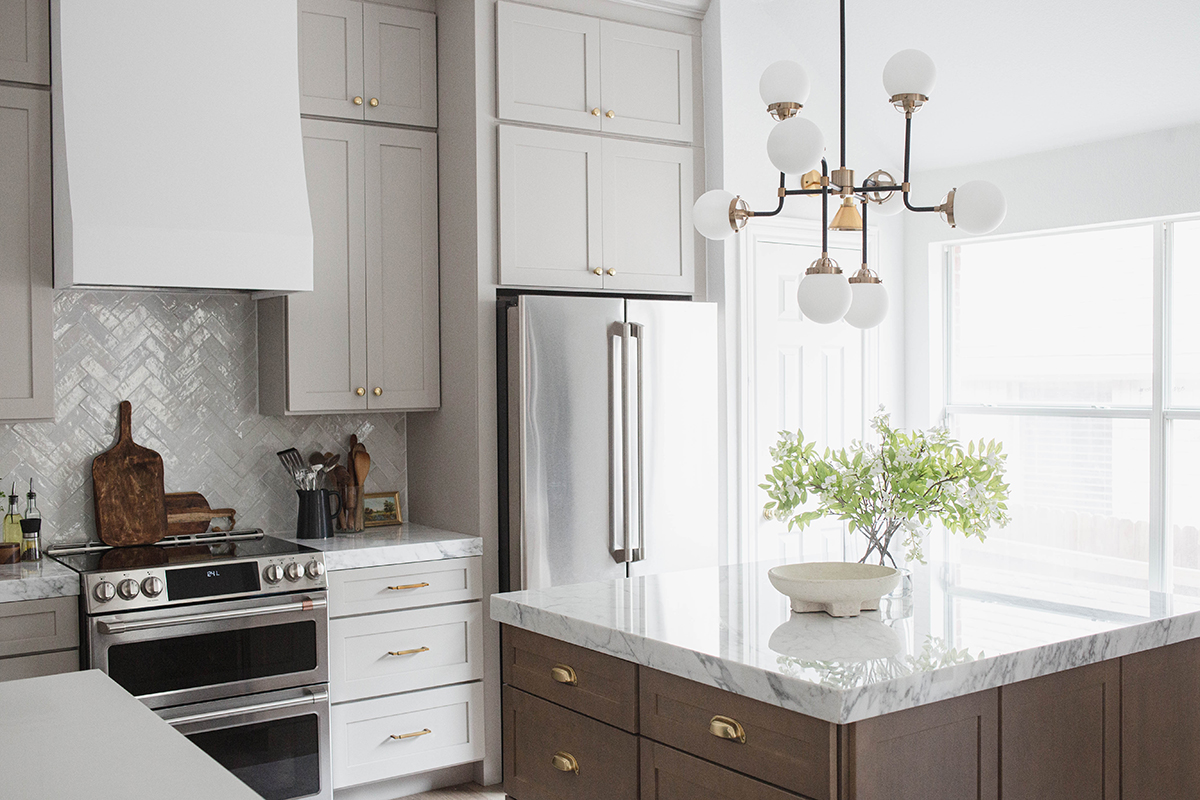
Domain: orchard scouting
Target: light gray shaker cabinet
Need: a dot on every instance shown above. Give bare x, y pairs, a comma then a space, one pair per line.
366, 337
25, 41
26, 261
365, 61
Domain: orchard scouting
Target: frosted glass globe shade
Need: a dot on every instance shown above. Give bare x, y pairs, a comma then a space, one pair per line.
824, 297
795, 146
710, 215
979, 207
784, 82
889, 208
909, 72
868, 306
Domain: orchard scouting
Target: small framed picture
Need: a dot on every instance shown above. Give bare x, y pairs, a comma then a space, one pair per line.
381, 508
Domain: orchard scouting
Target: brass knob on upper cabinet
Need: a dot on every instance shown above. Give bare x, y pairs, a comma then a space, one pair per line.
597, 271
374, 102
610, 114
612, 271
377, 391
360, 391
358, 101
595, 112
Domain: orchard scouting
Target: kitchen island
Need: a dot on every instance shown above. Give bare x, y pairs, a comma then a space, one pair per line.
978, 684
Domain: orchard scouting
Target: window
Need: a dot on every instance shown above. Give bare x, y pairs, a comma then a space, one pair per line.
1081, 352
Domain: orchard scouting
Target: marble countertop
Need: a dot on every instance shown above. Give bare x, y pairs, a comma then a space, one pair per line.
36, 580
958, 630
395, 544
128, 752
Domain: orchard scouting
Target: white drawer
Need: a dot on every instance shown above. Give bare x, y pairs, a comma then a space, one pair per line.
363, 748
18, 667
400, 651
372, 589
36, 626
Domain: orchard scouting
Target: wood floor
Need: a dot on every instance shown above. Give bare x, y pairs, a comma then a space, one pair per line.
468, 791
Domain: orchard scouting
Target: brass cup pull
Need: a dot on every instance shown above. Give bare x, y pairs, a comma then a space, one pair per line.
408, 652
374, 102
360, 391
412, 735
564, 762
358, 101
377, 391
598, 271
727, 728
595, 112
564, 674
420, 585
610, 114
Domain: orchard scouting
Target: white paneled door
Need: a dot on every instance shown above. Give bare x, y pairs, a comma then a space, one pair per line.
804, 376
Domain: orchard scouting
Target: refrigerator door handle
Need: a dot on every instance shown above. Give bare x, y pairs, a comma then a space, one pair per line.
618, 439
638, 332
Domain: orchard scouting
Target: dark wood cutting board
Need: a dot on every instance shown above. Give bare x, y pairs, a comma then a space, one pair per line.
127, 486
188, 513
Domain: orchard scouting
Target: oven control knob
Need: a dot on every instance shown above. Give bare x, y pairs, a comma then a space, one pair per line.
292, 571
315, 569
152, 586
273, 573
104, 591
128, 589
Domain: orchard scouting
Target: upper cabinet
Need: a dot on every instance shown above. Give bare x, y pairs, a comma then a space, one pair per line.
365, 61
568, 70
25, 41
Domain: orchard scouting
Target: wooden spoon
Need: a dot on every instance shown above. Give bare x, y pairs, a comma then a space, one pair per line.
362, 465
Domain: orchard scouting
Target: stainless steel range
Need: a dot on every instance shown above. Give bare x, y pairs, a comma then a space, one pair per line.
226, 637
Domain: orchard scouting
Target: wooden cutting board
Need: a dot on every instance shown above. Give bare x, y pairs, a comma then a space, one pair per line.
188, 513
127, 486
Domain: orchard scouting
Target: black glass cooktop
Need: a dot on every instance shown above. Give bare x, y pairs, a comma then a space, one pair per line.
175, 552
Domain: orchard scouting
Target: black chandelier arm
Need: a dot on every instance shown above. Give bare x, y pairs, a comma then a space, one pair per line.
907, 154
783, 192
825, 204
864, 230
843, 131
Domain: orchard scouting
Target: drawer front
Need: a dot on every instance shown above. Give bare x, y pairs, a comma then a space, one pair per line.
400, 651
668, 774
604, 688
38, 626
364, 749
18, 667
551, 753
785, 748
390, 588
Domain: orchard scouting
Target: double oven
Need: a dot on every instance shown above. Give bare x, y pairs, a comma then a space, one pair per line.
229, 644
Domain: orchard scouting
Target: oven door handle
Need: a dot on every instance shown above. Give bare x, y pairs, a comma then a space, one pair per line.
307, 604
312, 698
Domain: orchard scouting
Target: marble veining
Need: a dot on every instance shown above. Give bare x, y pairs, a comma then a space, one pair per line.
376, 547
958, 631
36, 580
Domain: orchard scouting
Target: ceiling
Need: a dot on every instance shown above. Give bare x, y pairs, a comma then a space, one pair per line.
1014, 76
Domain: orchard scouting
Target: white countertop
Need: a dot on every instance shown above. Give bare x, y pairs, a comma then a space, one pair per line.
36, 580
394, 544
80, 735
962, 630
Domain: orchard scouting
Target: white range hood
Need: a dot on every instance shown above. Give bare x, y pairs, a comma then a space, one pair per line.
178, 160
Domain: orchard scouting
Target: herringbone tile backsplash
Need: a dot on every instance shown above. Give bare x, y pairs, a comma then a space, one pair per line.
189, 365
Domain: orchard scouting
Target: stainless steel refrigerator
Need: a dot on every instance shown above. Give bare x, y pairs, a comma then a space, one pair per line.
611, 445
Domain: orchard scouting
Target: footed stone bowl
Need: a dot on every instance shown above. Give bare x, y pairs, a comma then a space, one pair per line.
839, 588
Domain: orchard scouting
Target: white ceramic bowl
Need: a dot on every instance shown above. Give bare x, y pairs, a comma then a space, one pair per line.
839, 588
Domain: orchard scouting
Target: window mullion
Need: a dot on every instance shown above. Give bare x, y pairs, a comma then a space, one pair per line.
1160, 538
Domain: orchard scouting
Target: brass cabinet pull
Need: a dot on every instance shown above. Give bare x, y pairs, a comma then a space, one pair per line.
412, 735
408, 652
360, 391
595, 112
374, 102
727, 728
564, 674
612, 271
358, 101
610, 114
421, 585
564, 762
598, 271
378, 391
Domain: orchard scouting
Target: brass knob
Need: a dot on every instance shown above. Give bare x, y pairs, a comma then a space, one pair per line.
564, 762
612, 271
727, 728
595, 112
610, 114
374, 102
358, 101
377, 391
360, 391
564, 674
597, 271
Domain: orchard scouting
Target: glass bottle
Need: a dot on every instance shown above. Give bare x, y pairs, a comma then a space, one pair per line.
31, 528
12, 520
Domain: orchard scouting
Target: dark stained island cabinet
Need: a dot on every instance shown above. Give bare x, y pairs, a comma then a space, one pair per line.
582, 724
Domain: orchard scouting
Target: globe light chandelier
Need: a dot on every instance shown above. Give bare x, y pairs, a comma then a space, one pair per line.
796, 147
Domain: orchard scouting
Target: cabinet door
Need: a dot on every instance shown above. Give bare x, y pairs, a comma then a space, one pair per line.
667, 774
548, 66
649, 245
402, 269
399, 65
26, 264
326, 328
1061, 735
646, 81
331, 58
550, 205
1160, 723
25, 41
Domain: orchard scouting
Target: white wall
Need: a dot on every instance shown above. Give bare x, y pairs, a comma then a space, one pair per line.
1133, 177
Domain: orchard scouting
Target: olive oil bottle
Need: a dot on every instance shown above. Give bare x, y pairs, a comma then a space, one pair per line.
12, 520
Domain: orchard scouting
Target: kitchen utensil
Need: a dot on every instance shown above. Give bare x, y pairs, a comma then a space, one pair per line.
127, 487
315, 519
293, 463
339, 476
839, 588
188, 513
362, 465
